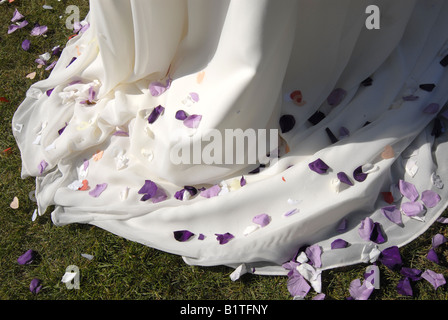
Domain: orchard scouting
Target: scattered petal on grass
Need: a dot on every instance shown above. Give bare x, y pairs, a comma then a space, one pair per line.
15, 203
99, 189
435, 279
27, 257
26, 44
438, 240
360, 291
35, 285
404, 287
87, 256
39, 30
224, 238
411, 273
432, 256
183, 235
318, 166
391, 258
297, 285
17, 16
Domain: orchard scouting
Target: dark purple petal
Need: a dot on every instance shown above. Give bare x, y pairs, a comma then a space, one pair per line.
56, 51
201, 237
427, 87
26, 44
391, 258
331, 135
35, 285
338, 244
367, 82
156, 112
317, 117
242, 181
224, 238
430, 198
193, 121
408, 190
60, 131
432, 108
343, 132
392, 213
342, 176
71, 61
410, 98
98, 190
411, 273
336, 97
182, 235
318, 166
179, 195
404, 287
287, 123
444, 61
181, 115
149, 190
27, 257
377, 235
359, 175
191, 190
49, 91
432, 256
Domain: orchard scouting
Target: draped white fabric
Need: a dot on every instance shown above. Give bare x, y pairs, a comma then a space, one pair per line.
236, 63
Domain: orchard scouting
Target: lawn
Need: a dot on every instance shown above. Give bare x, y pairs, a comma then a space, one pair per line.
121, 269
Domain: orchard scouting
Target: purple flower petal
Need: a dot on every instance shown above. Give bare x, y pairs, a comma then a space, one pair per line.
410, 98
338, 244
318, 166
14, 27
98, 190
336, 97
287, 123
435, 279
42, 166
377, 235
343, 132
360, 291
242, 181
430, 198
412, 209
159, 196
427, 87
60, 131
404, 287
201, 237
408, 190
39, 30
26, 44
149, 190
156, 112
432, 256
181, 115
194, 96
27, 257
17, 16
391, 258
342, 176
224, 238
342, 225
366, 228
191, 190
359, 175
392, 213
49, 91
35, 285
438, 240
262, 219
193, 121
444, 61
179, 195
211, 192
297, 285
432, 108
156, 88
411, 273
182, 235
314, 253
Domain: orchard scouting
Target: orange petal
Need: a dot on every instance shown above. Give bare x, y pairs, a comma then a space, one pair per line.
15, 203
388, 152
200, 77
98, 155
85, 185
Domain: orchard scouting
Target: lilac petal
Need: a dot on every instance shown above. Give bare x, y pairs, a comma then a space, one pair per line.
435, 279
156, 112
224, 238
159, 196
338, 244
12, 28
359, 175
427, 87
262, 219
211, 192
320, 296
39, 30
149, 190
42, 166
242, 181
360, 291
17, 16
412, 209
297, 285
366, 228
193, 121
35, 285
377, 235
410, 98
314, 253
342, 225
404, 287
408, 190
318, 166
336, 97
201, 237
179, 195
26, 44
430, 198
391, 258
156, 88
342, 176
432, 256
287, 123
27, 257
343, 132
181, 115
51, 66
194, 96
99, 188
432, 108
438, 240
183, 235
392, 213
411, 273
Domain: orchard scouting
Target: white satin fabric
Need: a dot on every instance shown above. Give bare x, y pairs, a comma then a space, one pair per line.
243, 58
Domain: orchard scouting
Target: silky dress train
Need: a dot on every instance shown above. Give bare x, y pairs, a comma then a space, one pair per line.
361, 158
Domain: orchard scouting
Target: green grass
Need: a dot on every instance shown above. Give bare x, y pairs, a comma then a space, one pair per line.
121, 269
